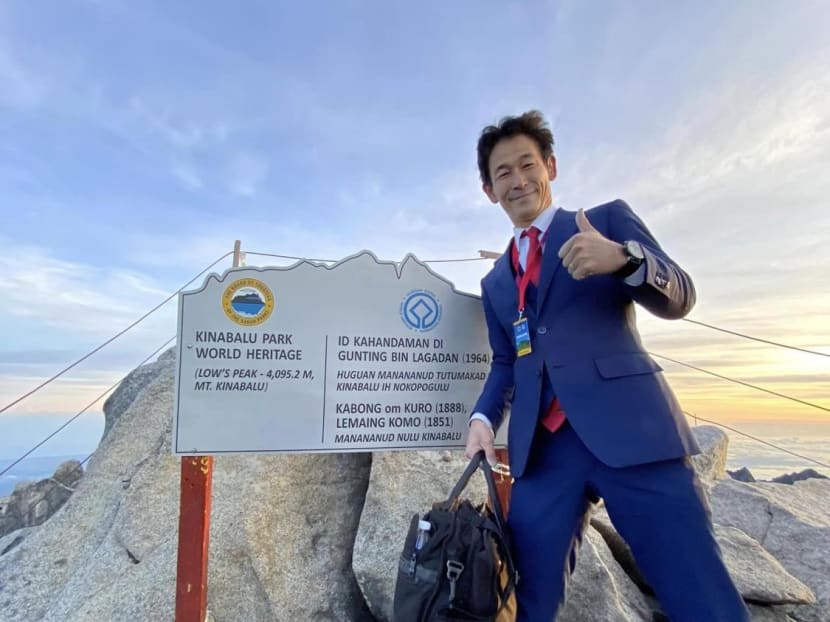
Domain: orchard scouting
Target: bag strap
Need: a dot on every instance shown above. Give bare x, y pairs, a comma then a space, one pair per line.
503, 536
465, 478
479, 462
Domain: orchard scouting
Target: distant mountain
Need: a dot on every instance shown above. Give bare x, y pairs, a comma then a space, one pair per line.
791, 478
31, 469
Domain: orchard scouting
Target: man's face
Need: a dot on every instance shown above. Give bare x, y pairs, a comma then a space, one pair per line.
521, 179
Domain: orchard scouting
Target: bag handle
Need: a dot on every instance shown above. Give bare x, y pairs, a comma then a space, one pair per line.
477, 462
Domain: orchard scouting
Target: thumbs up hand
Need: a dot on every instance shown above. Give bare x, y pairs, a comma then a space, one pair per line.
589, 253
583, 223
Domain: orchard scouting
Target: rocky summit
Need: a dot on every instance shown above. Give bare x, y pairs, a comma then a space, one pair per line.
317, 537
32, 503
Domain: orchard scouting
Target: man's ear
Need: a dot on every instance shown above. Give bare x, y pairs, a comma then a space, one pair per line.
551, 166
488, 190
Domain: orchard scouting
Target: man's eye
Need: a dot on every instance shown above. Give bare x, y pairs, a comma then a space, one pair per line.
501, 175
528, 165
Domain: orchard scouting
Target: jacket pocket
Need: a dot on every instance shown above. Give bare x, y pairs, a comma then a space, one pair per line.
630, 364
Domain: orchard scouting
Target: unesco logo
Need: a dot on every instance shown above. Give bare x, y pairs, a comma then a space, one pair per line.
420, 310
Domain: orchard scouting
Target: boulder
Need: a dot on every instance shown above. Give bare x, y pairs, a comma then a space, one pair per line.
757, 574
791, 522
4, 520
33, 503
710, 463
742, 475
129, 388
599, 590
819, 612
758, 613
282, 530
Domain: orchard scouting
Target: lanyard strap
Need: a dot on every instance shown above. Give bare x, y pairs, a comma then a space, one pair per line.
523, 280
521, 284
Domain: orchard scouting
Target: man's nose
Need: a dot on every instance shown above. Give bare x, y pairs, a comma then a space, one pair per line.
519, 180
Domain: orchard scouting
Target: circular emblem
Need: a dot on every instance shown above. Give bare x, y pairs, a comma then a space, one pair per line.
420, 310
248, 302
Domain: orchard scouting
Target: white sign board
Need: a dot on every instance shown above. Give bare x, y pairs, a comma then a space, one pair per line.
363, 355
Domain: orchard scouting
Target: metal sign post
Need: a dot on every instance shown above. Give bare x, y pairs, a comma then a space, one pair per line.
503, 483
194, 528
194, 537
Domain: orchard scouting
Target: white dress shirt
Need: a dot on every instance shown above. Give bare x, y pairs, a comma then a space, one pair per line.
542, 223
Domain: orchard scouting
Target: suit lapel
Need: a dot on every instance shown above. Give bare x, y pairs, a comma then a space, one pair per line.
504, 283
561, 229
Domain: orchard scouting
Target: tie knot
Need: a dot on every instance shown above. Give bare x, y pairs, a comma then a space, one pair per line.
532, 233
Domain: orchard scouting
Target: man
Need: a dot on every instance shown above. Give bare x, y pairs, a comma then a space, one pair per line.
592, 415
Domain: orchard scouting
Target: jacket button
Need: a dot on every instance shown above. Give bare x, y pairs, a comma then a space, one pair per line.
539, 374
542, 330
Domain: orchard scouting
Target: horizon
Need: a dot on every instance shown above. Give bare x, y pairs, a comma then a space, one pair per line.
764, 462
139, 141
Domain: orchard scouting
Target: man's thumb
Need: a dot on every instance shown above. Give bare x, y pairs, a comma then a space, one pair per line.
583, 223
490, 454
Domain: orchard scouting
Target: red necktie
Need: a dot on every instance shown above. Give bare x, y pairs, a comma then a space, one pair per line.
533, 265
555, 416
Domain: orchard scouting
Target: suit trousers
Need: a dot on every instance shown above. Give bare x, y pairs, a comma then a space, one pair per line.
658, 508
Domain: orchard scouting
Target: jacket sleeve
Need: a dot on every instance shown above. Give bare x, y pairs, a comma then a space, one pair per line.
667, 291
498, 388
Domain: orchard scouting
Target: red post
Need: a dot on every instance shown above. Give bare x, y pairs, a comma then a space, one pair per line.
194, 536
194, 527
503, 482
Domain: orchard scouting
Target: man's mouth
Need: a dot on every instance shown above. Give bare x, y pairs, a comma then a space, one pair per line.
522, 196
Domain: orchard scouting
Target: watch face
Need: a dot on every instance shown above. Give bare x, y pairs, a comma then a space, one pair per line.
634, 249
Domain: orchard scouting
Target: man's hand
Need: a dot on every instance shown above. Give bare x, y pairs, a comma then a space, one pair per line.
481, 437
589, 253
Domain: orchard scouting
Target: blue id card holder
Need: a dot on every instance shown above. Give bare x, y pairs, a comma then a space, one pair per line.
521, 337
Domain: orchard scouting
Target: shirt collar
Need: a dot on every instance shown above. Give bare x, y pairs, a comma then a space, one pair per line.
542, 223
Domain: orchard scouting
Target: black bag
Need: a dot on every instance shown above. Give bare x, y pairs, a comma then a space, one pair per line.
464, 570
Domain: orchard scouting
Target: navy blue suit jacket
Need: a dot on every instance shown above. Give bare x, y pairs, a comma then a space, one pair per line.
585, 342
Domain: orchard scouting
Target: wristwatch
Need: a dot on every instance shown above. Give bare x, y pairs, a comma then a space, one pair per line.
634, 259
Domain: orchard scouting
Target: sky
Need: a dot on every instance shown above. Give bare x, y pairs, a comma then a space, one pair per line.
138, 140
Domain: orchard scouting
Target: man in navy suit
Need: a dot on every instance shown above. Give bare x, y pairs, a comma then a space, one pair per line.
591, 414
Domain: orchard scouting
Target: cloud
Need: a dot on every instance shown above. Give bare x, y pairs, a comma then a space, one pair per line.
728, 171
740, 134
34, 357
246, 172
735, 190
20, 87
72, 295
182, 135
187, 174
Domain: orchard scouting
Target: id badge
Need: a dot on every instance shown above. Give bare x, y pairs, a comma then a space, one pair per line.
521, 337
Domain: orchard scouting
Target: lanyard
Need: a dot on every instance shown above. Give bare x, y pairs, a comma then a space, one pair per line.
523, 280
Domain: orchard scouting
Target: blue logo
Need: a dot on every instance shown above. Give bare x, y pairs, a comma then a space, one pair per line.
248, 302
420, 310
